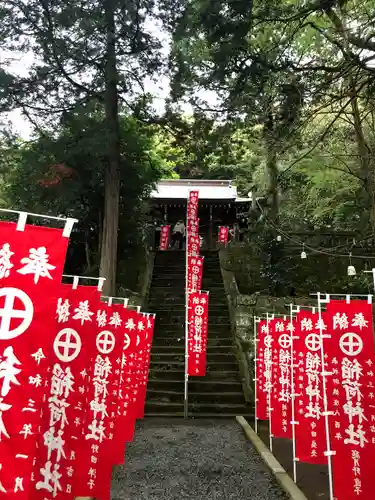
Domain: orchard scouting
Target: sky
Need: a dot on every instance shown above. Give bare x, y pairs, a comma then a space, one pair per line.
20, 63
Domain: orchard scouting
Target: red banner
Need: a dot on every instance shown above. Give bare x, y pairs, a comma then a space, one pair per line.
281, 406
195, 273
126, 407
95, 466
164, 237
351, 397
310, 430
192, 207
149, 332
31, 264
66, 405
197, 338
263, 371
223, 234
193, 246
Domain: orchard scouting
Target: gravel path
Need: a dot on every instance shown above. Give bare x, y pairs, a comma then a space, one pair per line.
198, 460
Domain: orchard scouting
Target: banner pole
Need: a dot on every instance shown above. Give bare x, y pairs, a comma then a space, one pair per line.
186, 386
293, 389
269, 318
256, 340
328, 453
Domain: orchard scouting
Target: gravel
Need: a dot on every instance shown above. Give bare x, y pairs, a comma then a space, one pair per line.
197, 460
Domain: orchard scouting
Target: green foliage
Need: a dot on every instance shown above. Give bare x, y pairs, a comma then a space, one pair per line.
64, 174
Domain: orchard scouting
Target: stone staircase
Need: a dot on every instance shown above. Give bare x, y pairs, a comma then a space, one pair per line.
219, 393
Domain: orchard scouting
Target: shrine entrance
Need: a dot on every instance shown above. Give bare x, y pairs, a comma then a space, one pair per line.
219, 205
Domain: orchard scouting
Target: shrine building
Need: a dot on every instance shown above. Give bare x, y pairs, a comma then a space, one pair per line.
219, 205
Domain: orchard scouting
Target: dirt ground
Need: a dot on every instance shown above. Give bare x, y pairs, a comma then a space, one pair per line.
311, 479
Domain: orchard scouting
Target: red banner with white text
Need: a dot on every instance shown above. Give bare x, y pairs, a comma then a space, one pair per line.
65, 407
263, 370
223, 234
281, 392
351, 396
95, 467
149, 332
195, 273
31, 264
164, 237
198, 330
310, 430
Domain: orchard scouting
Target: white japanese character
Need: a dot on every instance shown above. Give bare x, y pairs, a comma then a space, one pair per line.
3, 407
115, 319
37, 264
53, 442
38, 355
320, 325
340, 321
101, 318
8, 370
49, 477
141, 326
306, 324
360, 321
18, 484
26, 430
37, 380
354, 411
97, 431
5, 263
97, 407
356, 436
130, 325
62, 381
83, 312
62, 310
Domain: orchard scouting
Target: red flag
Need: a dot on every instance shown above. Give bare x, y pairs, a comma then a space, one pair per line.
95, 467
281, 386
31, 264
197, 338
195, 273
223, 234
350, 359
150, 319
65, 407
139, 360
263, 370
192, 207
310, 431
193, 245
164, 237
124, 427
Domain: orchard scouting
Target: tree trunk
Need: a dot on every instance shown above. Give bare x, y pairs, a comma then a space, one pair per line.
108, 259
273, 188
367, 167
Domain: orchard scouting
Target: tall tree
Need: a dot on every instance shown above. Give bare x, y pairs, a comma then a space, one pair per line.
81, 52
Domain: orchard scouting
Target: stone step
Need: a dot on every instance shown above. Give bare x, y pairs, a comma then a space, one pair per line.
171, 396
166, 415
177, 373
212, 356
171, 318
198, 408
178, 329
196, 385
181, 307
213, 343
179, 347
180, 363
